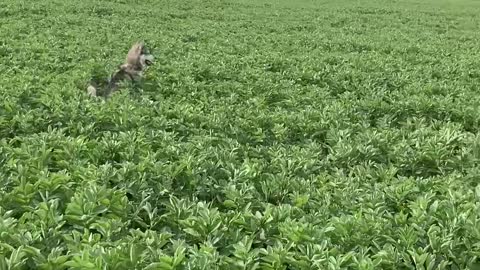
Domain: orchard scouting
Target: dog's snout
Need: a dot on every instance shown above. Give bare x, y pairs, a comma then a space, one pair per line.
148, 59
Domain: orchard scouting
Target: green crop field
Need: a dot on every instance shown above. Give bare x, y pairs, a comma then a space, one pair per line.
269, 134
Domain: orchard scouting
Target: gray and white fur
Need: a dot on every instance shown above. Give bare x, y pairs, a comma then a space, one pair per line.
137, 61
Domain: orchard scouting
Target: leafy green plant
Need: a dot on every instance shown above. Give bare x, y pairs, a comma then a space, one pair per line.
268, 135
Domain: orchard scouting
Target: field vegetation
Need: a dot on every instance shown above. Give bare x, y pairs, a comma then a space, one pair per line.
269, 134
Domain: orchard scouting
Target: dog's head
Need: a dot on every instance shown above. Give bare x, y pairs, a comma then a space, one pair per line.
139, 56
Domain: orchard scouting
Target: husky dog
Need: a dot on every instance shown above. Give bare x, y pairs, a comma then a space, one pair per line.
137, 61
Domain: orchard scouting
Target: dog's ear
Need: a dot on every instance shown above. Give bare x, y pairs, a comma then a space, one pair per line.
134, 53
145, 49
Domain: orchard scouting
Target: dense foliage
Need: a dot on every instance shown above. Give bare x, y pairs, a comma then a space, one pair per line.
268, 135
